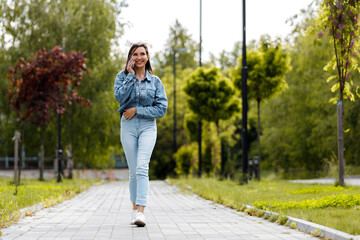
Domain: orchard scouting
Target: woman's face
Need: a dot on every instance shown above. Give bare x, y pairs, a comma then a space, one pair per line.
140, 57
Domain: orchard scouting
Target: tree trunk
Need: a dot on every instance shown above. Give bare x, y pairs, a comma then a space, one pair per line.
340, 130
215, 156
20, 155
199, 148
56, 161
222, 151
258, 139
70, 163
16, 155
216, 153
223, 158
41, 169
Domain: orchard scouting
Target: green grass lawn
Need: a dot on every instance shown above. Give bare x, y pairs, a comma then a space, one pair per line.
331, 206
31, 192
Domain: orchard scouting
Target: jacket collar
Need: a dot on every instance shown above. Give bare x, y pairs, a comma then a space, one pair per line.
147, 76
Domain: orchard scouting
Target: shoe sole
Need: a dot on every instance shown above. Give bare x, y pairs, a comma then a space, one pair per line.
140, 223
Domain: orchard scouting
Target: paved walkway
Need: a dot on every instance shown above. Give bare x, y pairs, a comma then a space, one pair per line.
103, 213
349, 180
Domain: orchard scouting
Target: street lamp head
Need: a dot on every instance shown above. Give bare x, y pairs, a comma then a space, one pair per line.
176, 50
181, 50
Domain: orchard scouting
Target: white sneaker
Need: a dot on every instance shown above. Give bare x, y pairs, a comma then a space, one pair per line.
133, 216
140, 220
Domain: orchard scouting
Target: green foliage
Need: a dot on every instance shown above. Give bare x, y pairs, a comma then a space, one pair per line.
178, 38
191, 125
184, 158
341, 200
282, 220
208, 154
267, 65
91, 26
339, 19
162, 163
273, 218
314, 190
82, 26
299, 123
293, 225
318, 233
352, 144
260, 213
210, 95
227, 60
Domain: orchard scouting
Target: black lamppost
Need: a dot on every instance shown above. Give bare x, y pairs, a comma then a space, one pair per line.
244, 101
200, 123
175, 51
59, 151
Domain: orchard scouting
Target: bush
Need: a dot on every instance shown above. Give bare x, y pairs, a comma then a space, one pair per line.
184, 158
274, 218
341, 200
282, 220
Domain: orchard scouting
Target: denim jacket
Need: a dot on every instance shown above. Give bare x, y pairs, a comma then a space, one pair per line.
148, 96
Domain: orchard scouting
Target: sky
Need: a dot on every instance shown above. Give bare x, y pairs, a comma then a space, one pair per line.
149, 21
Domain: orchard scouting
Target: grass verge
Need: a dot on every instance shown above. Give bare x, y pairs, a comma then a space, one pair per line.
32, 192
334, 207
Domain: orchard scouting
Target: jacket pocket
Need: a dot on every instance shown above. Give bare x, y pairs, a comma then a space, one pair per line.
149, 97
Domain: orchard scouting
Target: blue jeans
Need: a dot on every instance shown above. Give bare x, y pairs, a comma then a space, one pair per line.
138, 137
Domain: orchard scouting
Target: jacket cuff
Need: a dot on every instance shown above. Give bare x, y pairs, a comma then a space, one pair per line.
140, 112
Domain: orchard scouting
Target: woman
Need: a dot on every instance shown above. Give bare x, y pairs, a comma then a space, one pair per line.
142, 98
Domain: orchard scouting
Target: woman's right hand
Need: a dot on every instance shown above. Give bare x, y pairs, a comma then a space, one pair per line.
129, 66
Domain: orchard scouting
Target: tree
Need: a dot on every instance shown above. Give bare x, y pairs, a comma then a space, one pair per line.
178, 38
44, 84
267, 66
298, 123
339, 19
211, 97
163, 165
227, 60
92, 26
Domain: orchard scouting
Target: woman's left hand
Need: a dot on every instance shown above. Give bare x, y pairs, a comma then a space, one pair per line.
129, 113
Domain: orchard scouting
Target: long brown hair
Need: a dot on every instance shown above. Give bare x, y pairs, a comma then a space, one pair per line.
132, 50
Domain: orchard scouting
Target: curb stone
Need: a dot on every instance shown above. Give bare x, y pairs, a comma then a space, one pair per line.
323, 231
310, 227
23, 212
